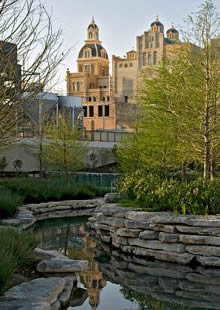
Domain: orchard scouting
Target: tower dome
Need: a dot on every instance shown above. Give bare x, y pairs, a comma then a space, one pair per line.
172, 33
157, 25
93, 31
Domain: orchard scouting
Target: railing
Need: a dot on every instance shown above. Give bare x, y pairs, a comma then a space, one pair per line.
105, 136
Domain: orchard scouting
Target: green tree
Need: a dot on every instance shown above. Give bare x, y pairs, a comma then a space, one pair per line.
63, 150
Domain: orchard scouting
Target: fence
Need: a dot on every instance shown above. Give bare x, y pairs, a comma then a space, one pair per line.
105, 136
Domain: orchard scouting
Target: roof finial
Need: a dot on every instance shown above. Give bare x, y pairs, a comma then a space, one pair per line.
173, 25
157, 18
93, 20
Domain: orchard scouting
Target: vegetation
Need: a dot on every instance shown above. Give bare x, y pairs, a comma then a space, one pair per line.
14, 192
178, 126
16, 251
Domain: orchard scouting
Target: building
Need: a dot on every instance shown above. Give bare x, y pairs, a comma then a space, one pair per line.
92, 81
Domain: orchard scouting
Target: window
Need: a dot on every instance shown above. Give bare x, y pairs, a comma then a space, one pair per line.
90, 35
85, 111
97, 36
149, 59
91, 111
80, 68
144, 59
103, 99
90, 99
94, 98
108, 98
106, 110
155, 58
120, 66
126, 99
87, 68
100, 110
152, 38
74, 86
78, 86
131, 64
126, 65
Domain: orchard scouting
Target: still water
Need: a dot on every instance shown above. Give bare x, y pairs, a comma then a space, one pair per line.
116, 281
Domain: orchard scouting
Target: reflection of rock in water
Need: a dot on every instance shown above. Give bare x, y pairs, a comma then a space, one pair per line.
78, 297
176, 284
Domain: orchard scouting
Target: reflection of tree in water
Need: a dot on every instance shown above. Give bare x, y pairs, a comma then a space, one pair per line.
147, 302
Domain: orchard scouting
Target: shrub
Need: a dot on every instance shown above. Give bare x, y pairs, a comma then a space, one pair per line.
16, 250
9, 201
154, 193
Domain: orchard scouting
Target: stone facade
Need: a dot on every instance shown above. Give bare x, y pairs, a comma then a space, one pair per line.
160, 235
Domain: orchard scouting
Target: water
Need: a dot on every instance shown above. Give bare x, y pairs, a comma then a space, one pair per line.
116, 281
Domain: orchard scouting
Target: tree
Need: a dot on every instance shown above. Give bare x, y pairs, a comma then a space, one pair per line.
181, 102
63, 150
30, 51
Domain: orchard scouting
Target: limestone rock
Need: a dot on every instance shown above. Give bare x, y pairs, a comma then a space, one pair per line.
132, 224
65, 295
59, 265
168, 238
199, 278
148, 235
47, 254
46, 290
157, 245
124, 232
198, 230
203, 250
111, 197
168, 285
24, 304
203, 240
143, 216
163, 228
209, 260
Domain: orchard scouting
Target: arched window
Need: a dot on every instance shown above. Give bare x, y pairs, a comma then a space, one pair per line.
155, 58
78, 86
97, 36
74, 87
90, 35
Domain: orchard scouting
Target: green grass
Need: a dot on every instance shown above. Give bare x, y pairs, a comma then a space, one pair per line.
14, 192
16, 251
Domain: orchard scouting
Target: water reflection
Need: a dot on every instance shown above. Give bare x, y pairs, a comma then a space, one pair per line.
122, 282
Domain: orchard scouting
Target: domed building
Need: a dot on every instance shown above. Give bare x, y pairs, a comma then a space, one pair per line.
93, 82
173, 34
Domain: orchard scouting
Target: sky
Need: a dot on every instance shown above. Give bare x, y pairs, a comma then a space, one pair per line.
119, 21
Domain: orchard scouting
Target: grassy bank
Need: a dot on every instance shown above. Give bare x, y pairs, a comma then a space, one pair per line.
14, 192
15, 253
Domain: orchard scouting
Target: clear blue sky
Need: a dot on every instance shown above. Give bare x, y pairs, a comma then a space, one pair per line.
120, 21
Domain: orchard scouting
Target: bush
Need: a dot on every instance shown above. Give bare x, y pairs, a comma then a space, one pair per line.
16, 250
154, 193
9, 201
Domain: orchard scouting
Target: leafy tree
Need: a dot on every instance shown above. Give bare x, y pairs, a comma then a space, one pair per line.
63, 150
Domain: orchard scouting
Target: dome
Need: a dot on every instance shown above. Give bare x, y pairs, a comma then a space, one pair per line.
93, 24
173, 30
157, 23
95, 49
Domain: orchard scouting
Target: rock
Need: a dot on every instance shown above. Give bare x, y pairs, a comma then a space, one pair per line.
124, 232
118, 241
196, 277
111, 221
46, 290
180, 258
167, 218
203, 250
143, 216
208, 260
47, 254
56, 305
168, 285
163, 228
132, 224
210, 221
114, 210
198, 230
106, 239
203, 240
11, 222
198, 287
148, 235
103, 227
24, 304
168, 238
78, 297
157, 245
59, 265
201, 296
111, 197
65, 295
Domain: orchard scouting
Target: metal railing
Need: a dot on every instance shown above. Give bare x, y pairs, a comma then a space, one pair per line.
105, 136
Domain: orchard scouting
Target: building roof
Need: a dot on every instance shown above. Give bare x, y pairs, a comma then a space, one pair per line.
157, 23
173, 30
95, 50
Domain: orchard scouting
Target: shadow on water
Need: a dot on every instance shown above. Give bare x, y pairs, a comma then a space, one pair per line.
122, 282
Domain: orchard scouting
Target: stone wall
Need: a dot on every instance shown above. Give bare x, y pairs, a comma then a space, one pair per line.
160, 235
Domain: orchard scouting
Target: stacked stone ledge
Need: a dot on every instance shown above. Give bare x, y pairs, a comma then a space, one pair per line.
160, 235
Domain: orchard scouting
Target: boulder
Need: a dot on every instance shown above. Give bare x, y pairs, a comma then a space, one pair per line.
47, 254
148, 235
46, 290
59, 265
65, 295
24, 304
157, 245
168, 238
111, 197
